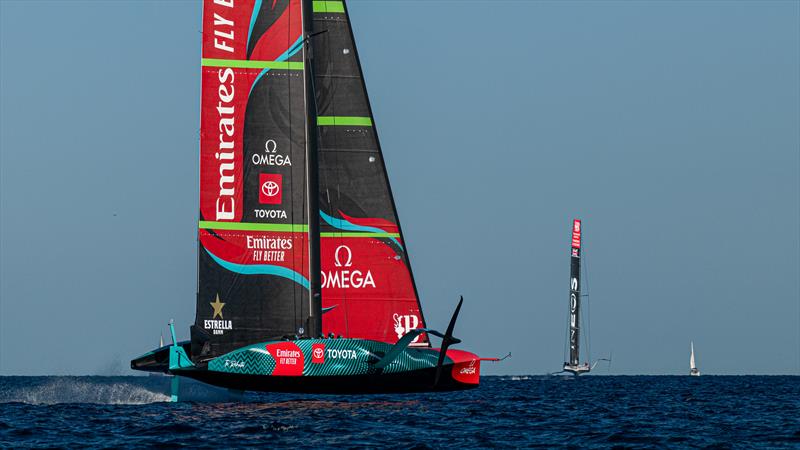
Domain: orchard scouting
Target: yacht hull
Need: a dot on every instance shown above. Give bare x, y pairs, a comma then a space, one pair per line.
334, 366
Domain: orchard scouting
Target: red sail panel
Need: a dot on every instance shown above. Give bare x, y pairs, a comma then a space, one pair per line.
368, 287
576, 233
253, 255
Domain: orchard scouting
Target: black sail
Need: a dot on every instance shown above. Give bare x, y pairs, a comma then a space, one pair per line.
575, 294
368, 287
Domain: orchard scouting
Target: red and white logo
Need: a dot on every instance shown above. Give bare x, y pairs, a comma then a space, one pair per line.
344, 276
318, 353
576, 233
271, 189
289, 360
469, 369
405, 323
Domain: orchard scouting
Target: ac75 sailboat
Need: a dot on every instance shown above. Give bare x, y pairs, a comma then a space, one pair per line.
304, 281
574, 365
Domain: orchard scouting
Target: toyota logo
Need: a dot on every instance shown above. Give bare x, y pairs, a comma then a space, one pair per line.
318, 353
270, 189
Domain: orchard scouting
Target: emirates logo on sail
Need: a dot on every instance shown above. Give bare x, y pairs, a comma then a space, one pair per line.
344, 276
226, 154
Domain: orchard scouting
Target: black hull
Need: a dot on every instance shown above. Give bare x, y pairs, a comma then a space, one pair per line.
394, 383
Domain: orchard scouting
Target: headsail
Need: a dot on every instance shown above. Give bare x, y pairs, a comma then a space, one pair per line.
575, 294
252, 256
692, 364
366, 274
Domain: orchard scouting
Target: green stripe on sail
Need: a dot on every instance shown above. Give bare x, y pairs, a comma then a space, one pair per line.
241, 226
248, 64
288, 227
358, 234
344, 121
328, 6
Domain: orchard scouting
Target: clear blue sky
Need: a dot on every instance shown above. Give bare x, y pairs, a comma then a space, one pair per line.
670, 128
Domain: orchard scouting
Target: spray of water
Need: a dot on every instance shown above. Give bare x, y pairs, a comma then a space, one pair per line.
100, 390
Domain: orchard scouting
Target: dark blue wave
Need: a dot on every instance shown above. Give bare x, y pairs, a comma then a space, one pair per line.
600, 411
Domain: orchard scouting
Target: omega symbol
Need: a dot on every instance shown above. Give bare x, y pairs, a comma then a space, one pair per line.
338, 261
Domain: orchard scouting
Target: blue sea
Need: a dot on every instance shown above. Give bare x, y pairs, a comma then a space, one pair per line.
526, 411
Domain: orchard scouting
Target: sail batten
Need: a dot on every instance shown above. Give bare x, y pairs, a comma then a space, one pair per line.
250, 64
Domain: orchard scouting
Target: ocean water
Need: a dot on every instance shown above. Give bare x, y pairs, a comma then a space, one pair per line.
546, 411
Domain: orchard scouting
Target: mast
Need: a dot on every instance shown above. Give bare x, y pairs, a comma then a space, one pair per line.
314, 325
575, 295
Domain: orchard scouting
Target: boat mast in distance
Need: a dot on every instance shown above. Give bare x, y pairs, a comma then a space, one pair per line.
693, 370
573, 365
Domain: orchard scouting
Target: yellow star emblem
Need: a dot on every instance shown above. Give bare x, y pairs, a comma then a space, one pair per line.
217, 305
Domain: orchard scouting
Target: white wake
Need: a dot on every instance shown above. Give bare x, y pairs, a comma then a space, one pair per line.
98, 390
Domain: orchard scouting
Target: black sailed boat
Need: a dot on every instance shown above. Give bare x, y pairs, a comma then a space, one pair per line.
304, 282
574, 366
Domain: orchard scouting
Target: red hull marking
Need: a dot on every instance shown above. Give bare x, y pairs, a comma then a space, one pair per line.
289, 359
467, 367
318, 353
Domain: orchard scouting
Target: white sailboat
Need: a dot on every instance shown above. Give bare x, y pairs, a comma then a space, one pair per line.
693, 370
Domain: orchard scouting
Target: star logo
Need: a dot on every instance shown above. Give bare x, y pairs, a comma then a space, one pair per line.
217, 305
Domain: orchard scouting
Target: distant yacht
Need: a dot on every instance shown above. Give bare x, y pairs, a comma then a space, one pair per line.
574, 366
693, 370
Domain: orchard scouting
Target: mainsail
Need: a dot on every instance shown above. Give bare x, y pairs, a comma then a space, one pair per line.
575, 294
253, 255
